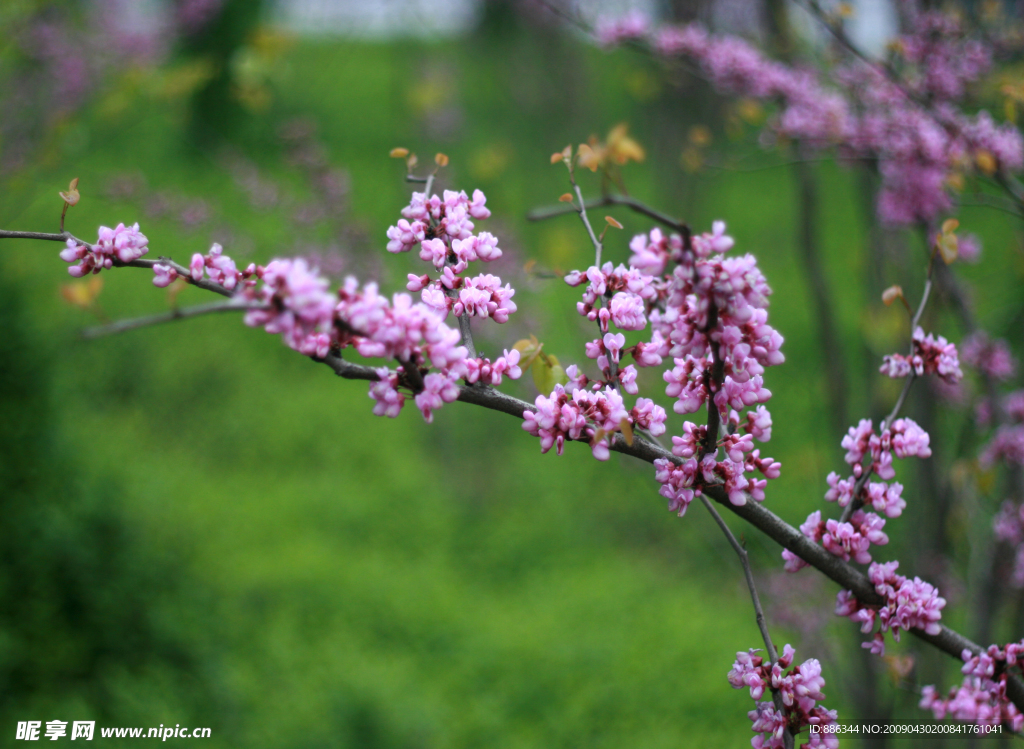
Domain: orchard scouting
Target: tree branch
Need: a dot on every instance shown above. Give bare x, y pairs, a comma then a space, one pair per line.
765, 520
121, 326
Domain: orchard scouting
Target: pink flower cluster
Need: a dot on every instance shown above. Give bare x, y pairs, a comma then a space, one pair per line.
708, 306
850, 540
713, 302
800, 689
711, 315
625, 289
290, 298
931, 356
615, 30
903, 439
991, 358
123, 244
443, 229
482, 370
981, 698
681, 482
414, 334
298, 305
909, 604
587, 415
1007, 444
220, 269
914, 130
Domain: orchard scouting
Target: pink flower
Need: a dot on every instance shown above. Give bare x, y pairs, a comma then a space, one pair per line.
438, 389
931, 356
992, 358
389, 401
648, 415
628, 311
163, 275
611, 31
909, 604
800, 688
404, 236
121, 245
677, 483
434, 251
483, 296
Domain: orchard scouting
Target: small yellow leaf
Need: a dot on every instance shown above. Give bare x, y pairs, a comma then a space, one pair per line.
412, 161
523, 344
588, 158
541, 376
613, 222
949, 225
900, 666
891, 294
986, 162
627, 431
547, 372
567, 152
556, 157
529, 350
565, 198
441, 159
750, 111
71, 197
699, 136
622, 148
82, 293
399, 153
948, 247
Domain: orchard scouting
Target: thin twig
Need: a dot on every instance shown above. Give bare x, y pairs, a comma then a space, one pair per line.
63, 236
762, 622
856, 503
992, 201
121, 326
581, 209
541, 214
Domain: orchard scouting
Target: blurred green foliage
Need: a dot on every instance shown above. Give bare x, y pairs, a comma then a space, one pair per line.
201, 527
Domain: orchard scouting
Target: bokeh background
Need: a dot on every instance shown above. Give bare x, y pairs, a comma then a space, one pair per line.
200, 527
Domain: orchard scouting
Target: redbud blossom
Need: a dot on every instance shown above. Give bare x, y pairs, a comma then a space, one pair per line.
800, 691
121, 244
